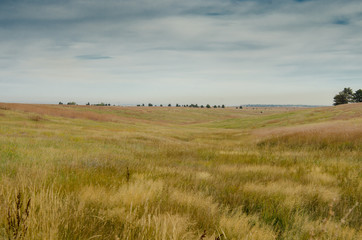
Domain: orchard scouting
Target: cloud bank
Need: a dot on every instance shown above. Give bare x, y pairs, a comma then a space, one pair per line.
163, 51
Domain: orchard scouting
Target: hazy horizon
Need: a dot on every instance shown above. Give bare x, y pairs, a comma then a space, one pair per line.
181, 104
228, 52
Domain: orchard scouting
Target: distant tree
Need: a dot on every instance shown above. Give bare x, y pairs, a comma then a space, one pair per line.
208, 106
177, 105
215, 106
60, 103
343, 97
218, 106
150, 104
71, 103
340, 99
349, 93
143, 104
138, 105
202, 106
161, 105
223, 106
241, 107
88, 104
357, 96
169, 105
194, 105
100, 104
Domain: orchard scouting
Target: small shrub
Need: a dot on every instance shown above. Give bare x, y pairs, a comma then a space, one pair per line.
4, 108
35, 118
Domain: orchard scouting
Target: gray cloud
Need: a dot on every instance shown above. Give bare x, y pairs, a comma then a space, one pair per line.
237, 47
92, 57
341, 21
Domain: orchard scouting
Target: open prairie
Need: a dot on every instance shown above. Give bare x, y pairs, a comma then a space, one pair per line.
85, 172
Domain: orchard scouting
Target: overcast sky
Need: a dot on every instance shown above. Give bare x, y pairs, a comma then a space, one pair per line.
190, 51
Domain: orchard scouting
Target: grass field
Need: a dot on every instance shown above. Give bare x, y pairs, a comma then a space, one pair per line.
77, 172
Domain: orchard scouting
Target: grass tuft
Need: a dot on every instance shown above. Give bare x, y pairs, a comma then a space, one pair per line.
18, 211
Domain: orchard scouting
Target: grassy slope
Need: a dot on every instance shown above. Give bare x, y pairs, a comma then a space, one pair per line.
270, 173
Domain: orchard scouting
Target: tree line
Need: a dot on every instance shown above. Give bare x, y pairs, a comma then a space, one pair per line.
347, 96
151, 105
185, 105
87, 104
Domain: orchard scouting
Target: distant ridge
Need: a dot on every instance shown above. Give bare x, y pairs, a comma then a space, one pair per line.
283, 105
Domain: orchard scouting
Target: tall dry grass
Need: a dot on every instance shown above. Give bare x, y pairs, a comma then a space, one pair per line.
105, 179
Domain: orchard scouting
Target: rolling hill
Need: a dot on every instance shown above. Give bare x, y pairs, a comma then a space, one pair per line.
180, 173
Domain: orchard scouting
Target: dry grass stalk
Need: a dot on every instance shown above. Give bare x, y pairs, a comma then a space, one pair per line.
128, 175
203, 235
220, 236
344, 219
17, 217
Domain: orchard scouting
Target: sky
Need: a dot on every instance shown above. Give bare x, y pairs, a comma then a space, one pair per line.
191, 51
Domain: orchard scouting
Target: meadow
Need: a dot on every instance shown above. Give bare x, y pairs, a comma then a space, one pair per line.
86, 172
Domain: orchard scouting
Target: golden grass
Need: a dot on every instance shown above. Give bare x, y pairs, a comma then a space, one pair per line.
180, 173
240, 226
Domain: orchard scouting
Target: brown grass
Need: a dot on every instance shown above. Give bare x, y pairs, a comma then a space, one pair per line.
328, 135
59, 111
